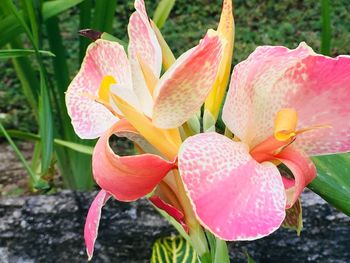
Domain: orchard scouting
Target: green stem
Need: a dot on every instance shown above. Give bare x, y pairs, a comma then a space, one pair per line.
199, 241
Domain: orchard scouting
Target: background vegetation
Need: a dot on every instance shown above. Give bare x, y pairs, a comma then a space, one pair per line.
265, 22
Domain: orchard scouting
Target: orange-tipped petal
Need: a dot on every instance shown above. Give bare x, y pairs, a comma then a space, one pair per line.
303, 170
93, 220
103, 58
183, 88
233, 196
273, 78
127, 178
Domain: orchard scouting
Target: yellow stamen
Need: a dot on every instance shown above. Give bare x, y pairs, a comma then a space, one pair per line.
103, 102
150, 78
285, 124
166, 141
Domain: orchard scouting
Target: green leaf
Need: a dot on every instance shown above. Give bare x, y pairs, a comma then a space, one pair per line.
34, 137
110, 37
333, 180
249, 258
104, 15
10, 27
15, 53
162, 12
37, 182
294, 218
173, 250
326, 34
218, 249
85, 9
53, 8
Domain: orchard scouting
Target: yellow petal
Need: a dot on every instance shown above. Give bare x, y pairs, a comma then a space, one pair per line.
226, 29
150, 79
166, 141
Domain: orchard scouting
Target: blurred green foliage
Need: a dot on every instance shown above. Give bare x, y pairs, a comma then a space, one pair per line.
265, 22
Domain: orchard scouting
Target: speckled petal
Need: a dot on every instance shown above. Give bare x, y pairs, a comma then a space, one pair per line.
233, 196
90, 119
272, 78
184, 87
127, 178
93, 220
303, 169
143, 41
143, 45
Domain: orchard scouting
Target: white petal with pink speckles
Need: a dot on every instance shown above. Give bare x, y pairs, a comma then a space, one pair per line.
184, 87
233, 196
143, 44
90, 119
272, 78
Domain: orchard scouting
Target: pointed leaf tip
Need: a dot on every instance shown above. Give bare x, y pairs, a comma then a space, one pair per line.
90, 33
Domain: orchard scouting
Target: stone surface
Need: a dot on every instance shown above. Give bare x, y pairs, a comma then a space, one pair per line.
50, 229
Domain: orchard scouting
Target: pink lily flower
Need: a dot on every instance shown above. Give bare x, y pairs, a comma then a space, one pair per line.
282, 106
116, 93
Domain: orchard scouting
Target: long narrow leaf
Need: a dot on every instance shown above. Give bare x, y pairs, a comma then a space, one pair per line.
104, 15
162, 12
45, 115
85, 9
37, 182
35, 137
28, 77
33, 20
10, 27
15, 53
46, 124
326, 33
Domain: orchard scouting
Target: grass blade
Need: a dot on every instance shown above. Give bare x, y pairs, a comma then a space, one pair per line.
37, 182
46, 125
35, 137
10, 27
162, 12
45, 115
85, 9
326, 34
15, 53
104, 15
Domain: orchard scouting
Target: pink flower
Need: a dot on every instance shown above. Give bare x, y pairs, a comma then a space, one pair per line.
282, 105
116, 93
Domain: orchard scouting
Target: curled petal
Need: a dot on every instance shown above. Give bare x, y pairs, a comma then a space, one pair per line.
233, 196
93, 220
170, 210
127, 178
103, 58
183, 88
303, 170
273, 78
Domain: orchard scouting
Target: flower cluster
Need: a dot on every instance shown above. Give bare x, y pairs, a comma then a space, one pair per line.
281, 107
